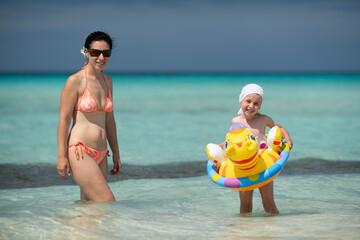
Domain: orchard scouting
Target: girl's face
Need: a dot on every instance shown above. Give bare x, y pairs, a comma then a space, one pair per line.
98, 62
251, 104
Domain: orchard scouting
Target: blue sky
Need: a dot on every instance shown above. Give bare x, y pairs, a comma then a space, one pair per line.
184, 35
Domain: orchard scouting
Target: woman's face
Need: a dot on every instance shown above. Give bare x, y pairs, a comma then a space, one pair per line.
98, 62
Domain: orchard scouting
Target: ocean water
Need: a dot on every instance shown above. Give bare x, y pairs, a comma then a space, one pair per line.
163, 124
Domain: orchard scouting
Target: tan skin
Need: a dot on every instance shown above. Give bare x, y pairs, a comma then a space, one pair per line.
257, 123
93, 129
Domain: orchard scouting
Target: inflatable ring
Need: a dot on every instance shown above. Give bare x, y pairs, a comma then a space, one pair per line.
250, 182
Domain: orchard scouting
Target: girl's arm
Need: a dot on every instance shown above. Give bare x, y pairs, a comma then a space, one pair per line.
67, 102
285, 134
222, 144
270, 123
235, 119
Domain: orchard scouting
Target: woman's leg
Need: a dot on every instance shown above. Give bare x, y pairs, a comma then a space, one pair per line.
90, 177
104, 169
83, 196
267, 196
246, 201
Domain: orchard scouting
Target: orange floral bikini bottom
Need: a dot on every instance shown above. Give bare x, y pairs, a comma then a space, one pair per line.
98, 156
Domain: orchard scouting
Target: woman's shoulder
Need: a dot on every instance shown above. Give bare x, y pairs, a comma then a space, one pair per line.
75, 82
108, 78
75, 79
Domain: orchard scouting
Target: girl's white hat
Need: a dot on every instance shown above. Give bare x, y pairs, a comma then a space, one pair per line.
249, 89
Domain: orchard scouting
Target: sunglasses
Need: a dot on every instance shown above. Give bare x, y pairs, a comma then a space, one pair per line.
96, 52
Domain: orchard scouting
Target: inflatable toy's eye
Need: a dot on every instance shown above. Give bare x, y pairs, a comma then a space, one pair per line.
252, 137
226, 144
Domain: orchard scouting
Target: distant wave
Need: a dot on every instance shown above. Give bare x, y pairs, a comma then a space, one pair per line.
14, 176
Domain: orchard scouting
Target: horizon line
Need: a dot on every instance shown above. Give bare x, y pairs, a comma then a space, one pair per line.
186, 72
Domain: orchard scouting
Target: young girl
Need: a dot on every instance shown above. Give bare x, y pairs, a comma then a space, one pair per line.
251, 98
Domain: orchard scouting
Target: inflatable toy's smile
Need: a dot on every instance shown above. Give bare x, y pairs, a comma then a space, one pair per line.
242, 162
243, 152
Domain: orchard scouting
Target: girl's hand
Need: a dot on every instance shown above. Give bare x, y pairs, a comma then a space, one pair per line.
289, 141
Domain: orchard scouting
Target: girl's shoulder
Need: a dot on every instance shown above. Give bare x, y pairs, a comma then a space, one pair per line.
236, 119
263, 116
266, 120
260, 117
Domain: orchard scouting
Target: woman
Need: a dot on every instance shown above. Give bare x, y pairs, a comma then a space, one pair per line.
87, 99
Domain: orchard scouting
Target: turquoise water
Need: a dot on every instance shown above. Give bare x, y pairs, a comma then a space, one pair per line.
164, 123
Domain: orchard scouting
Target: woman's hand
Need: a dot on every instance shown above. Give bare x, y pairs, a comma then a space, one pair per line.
62, 167
117, 165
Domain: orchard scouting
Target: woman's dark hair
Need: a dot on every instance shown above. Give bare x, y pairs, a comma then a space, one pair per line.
98, 36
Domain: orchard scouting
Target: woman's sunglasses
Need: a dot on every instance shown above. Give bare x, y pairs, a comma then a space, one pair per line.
96, 52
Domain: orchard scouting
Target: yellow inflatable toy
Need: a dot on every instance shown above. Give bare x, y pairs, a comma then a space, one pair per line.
241, 165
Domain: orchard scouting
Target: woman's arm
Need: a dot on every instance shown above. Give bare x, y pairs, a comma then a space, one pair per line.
112, 139
67, 102
110, 127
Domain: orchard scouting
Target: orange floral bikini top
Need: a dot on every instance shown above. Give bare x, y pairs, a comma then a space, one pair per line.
88, 104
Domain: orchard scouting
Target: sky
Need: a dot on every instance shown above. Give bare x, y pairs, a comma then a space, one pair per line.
184, 35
